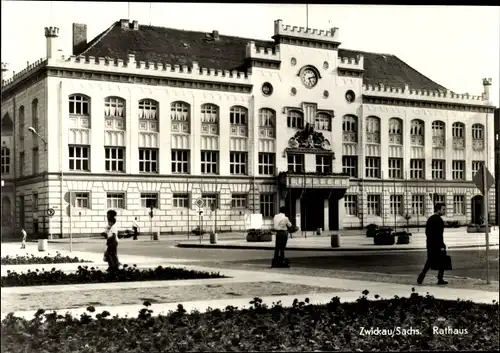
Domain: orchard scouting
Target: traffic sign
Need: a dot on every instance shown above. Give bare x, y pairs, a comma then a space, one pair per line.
479, 180
50, 212
199, 202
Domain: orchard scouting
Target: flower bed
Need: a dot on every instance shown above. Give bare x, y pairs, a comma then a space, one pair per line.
30, 260
332, 327
86, 275
259, 235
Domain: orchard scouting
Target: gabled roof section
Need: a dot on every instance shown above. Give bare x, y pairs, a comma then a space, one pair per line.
181, 47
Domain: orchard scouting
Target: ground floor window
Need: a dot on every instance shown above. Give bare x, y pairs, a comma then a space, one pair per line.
459, 204
149, 199
115, 200
351, 205
373, 205
239, 201
418, 204
81, 200
180, 200
396, 203
268, 205
210, 200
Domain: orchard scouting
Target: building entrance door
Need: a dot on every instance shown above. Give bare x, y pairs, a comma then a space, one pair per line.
477, 209
312, 210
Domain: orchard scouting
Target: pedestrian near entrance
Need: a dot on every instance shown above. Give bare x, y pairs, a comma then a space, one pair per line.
436, 248
281, 225
25, 236
111, 233
135, 228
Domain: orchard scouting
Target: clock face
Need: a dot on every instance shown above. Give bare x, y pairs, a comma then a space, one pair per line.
309, 78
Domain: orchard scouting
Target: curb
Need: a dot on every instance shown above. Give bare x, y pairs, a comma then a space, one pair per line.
252, 247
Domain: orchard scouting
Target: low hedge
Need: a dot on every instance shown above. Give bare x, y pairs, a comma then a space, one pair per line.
85, 275
259, 235
419, 324
30, 260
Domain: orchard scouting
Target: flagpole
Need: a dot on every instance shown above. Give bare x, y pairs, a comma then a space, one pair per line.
307, 16
486, 83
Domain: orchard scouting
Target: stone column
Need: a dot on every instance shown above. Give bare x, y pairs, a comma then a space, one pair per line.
297, 213
326, 210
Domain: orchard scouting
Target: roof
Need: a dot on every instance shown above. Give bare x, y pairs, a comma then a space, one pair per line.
181, 47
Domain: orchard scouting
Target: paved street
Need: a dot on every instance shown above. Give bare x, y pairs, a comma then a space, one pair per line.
469, 263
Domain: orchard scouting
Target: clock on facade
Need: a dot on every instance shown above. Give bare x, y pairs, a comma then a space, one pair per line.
267, 89
309, 77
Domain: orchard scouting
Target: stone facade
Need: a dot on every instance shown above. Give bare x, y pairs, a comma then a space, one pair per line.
194, 119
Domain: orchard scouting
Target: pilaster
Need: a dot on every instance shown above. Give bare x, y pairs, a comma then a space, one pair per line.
164, 137
224, 137
195, 138
97, 163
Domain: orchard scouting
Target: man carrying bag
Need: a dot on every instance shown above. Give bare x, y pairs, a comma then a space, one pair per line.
282, 226
437, 259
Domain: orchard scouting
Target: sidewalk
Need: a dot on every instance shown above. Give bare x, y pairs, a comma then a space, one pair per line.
454, 240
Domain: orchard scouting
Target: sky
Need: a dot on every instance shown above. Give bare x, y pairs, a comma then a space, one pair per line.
455, 46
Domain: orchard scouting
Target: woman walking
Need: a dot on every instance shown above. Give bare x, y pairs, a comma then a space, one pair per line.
111, 233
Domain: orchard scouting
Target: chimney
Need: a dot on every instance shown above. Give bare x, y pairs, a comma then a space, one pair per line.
5, 68
215, 35
51, 33
486, 84
79, 38
124, 24
135, 25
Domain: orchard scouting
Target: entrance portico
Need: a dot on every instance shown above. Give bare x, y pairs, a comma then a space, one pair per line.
312, 201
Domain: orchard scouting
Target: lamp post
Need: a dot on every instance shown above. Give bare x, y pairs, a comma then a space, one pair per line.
34, 132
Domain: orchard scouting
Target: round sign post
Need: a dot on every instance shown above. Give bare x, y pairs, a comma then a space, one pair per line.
50, 212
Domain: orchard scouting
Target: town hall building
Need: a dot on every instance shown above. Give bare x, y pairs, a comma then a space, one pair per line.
183, 121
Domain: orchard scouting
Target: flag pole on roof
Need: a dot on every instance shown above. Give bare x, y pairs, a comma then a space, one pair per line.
307, 16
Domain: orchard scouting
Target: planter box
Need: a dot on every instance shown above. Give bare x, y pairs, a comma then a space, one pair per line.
483, 230
371, 230
403, 237
472, 229
384, 238
259, 236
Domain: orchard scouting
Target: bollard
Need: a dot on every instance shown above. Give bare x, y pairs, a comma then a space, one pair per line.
335, 240
318, 231
43, 244
156, 236
213, 238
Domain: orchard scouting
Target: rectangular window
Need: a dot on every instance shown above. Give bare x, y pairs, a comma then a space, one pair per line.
115, 200
323, 164
5, 160
81, 200
79, 158
266, 163
372, 165
350, 166
180, 161
238, 163
267, 205
458, 170
351, 205
114, 159
35, 202
148, 199
396, 203
373, 204
459, 204
239, 201
180, 200
21, 163
418, 205
296, 163
35, 161
395, 168
417, 169
438, 169
148, 160
210, 199
209, 162
476, 165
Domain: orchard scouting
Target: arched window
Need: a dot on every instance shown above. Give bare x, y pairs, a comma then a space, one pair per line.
79, 104
438, 134
7, 125
180, 111
295, 119
350, 128
114, 107
238, 115
5, 160
323, 121
417, 132
477, 132
458, 133
22, 127
34, 114
148, 109
395, 131
267, 117
372, 129
209, 113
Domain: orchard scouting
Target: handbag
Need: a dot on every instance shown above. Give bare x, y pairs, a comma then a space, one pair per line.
442, 263
292, 229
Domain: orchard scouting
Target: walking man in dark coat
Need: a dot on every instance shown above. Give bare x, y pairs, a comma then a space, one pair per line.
436, 249
281, 224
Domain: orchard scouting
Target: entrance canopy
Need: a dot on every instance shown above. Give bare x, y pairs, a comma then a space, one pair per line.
290, 180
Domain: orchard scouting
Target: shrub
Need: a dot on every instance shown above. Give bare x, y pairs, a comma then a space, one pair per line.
197, 231
259, 235
92, 275
371, 230
334, 326
29, 260
403, 237
384, 236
